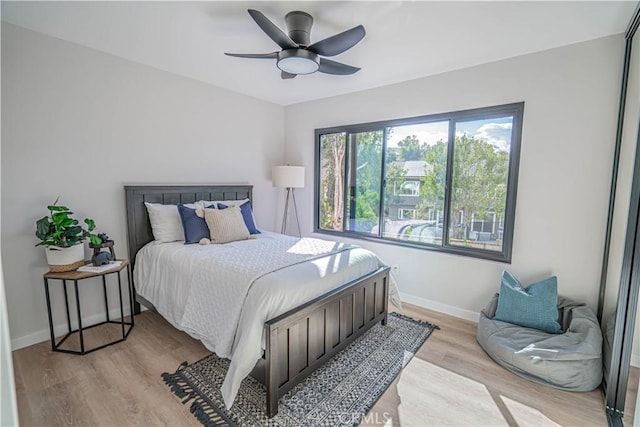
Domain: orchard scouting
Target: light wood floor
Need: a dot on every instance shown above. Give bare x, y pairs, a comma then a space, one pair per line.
450, 381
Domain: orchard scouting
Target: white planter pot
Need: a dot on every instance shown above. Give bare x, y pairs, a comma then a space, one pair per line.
65, 259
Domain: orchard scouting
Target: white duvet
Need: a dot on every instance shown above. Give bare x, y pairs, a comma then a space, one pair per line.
223, 294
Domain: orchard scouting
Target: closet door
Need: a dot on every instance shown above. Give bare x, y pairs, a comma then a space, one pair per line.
620, 280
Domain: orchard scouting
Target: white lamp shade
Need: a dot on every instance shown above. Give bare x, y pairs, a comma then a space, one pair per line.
288, 176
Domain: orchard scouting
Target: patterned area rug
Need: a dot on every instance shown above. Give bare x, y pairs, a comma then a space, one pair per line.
339, 393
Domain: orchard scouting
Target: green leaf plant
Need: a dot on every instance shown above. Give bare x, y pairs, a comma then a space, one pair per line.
60, 229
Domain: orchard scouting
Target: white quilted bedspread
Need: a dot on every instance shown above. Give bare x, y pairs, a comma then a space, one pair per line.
223, 294
215, 310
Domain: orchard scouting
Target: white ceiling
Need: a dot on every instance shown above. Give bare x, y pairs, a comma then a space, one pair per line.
405, 40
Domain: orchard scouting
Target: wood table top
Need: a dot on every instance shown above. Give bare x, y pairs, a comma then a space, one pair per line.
77, 275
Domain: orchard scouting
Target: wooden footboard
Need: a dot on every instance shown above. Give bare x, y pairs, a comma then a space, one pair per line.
301, 340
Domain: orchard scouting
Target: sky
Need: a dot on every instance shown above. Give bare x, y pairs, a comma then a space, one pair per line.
496, 131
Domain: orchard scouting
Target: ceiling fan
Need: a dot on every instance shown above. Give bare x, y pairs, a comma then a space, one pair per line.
298, 55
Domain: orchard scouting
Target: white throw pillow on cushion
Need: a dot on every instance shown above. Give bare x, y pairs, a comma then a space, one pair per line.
226, 225
166, 224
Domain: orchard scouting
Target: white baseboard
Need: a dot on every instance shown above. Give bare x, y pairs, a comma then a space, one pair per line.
62, 329
635, 360
440, 307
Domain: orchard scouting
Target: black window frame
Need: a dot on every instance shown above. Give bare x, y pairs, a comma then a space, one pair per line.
514, 109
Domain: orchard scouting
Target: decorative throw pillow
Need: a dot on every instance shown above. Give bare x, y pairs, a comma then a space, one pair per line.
226, 225
194, 227
166, 225
534, 307
247, 215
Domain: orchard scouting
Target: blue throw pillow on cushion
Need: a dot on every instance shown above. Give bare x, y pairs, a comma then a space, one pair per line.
247, 215
534, 307
195, 228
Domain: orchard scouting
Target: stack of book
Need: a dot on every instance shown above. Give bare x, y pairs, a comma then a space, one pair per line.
89, 268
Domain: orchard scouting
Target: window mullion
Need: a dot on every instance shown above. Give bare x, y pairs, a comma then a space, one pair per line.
448, 184
348, 170
383, 181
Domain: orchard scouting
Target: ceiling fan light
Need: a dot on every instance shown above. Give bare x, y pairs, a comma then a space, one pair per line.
298, 61
295, 65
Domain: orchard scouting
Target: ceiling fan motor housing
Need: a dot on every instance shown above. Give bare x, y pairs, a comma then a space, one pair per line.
299, 26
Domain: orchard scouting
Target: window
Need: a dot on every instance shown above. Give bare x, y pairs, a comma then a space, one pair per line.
443, 182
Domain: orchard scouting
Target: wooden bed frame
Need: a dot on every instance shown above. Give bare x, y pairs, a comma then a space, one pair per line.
298, 341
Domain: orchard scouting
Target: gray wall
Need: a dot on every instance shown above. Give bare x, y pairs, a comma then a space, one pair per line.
8, 406
79, 124
571, 101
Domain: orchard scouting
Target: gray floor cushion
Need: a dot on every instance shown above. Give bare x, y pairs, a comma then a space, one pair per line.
568, 361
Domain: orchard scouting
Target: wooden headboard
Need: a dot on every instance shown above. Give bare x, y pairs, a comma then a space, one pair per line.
138, 226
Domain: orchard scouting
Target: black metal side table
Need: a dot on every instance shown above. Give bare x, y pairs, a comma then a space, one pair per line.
75, 276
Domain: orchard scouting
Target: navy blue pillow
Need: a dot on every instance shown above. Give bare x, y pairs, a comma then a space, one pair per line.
247, 215
195, 228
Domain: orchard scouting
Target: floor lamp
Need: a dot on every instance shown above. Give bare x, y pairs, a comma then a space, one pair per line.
289, 177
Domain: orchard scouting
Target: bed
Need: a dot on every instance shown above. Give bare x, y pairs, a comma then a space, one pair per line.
295, 342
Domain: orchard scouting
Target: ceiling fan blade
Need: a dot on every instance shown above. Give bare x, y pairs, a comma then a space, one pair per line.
286, 76
276, 34
332, 67
337, 44
271, 55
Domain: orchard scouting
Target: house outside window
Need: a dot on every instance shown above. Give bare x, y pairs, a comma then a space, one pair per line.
444, 182
407, 213
407, 188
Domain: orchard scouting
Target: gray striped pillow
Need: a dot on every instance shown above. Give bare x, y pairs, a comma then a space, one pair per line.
226, 225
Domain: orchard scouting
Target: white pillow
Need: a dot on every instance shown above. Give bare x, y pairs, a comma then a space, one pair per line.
226, 225
166, 224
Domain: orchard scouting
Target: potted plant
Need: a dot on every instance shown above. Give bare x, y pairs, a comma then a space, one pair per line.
62, 237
